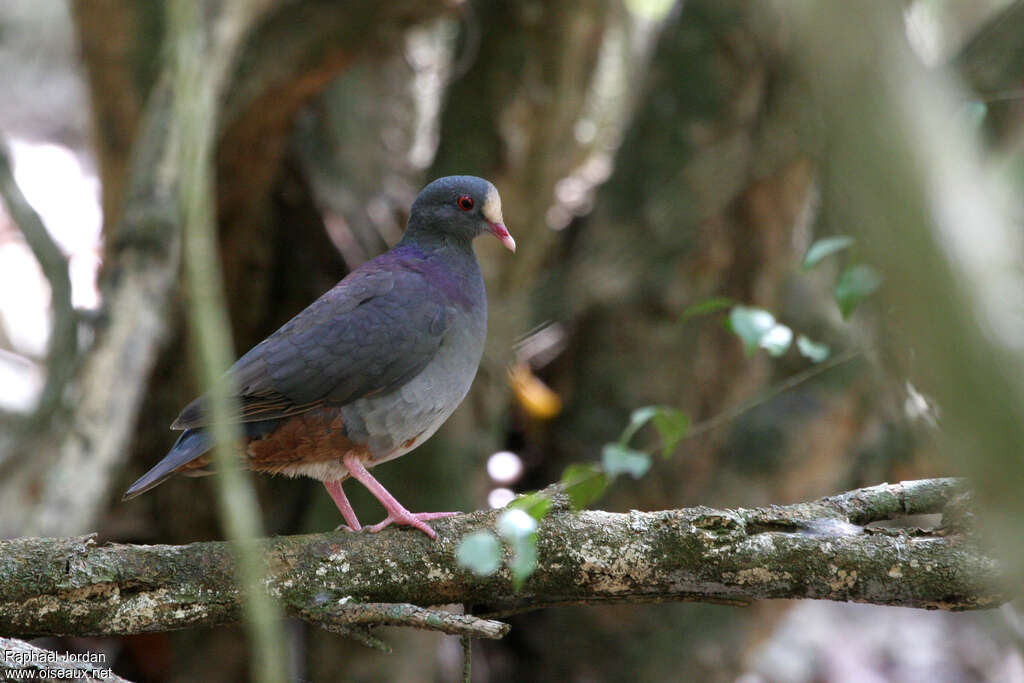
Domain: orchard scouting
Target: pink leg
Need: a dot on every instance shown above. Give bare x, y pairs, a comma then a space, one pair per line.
338, 494
397, 514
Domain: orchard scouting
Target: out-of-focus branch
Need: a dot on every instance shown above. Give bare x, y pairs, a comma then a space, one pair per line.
992, 59
116, 44
59, 490
63, 336
807, 550
339, 613
204, 52
64, 486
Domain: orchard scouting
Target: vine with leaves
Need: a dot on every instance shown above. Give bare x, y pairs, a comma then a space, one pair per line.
514, 539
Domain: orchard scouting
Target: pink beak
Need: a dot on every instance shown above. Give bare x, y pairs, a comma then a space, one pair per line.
501, 232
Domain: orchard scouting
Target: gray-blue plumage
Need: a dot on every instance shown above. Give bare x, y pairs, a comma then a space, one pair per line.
374, 366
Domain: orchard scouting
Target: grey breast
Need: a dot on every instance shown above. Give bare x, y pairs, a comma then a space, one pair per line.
393, 424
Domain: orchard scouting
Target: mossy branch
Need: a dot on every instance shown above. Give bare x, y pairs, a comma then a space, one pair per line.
816, 550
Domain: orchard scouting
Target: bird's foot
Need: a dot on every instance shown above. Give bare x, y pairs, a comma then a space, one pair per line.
413, 519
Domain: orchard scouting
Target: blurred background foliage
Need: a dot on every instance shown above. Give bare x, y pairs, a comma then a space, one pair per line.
652, 156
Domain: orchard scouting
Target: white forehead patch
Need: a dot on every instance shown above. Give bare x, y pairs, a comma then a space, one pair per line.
492, 206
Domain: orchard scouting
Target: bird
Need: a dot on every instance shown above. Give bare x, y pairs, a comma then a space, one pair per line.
371, 369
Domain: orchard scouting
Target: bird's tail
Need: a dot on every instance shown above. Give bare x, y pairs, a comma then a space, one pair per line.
190, 445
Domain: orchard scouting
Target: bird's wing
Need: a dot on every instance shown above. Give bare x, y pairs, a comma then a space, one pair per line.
371, 333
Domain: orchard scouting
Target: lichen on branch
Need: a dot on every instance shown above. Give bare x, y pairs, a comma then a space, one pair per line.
817, 550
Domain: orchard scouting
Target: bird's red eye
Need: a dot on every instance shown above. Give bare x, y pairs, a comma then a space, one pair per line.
465, 202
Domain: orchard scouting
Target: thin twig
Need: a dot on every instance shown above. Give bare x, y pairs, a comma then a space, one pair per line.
403, 614
891, 501
784, 386
360, 634
63, 345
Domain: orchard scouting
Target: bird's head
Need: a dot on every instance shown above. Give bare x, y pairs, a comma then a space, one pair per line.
459, 207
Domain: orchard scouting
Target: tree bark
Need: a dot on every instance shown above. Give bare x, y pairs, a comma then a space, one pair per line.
290, 56
818, 550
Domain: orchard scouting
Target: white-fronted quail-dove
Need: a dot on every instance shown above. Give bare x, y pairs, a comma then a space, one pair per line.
369, 370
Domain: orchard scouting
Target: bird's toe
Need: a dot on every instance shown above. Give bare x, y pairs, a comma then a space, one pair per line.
413, 519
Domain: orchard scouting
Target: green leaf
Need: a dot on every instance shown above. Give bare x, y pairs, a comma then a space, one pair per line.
776, 342
535, 504
751, 325
712, 305
816, 352
584, 483
826, 247
618, 459
641, 416
524, 560
637, 419
672, 426
855, 283
515, 524
479, 552
519, 530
